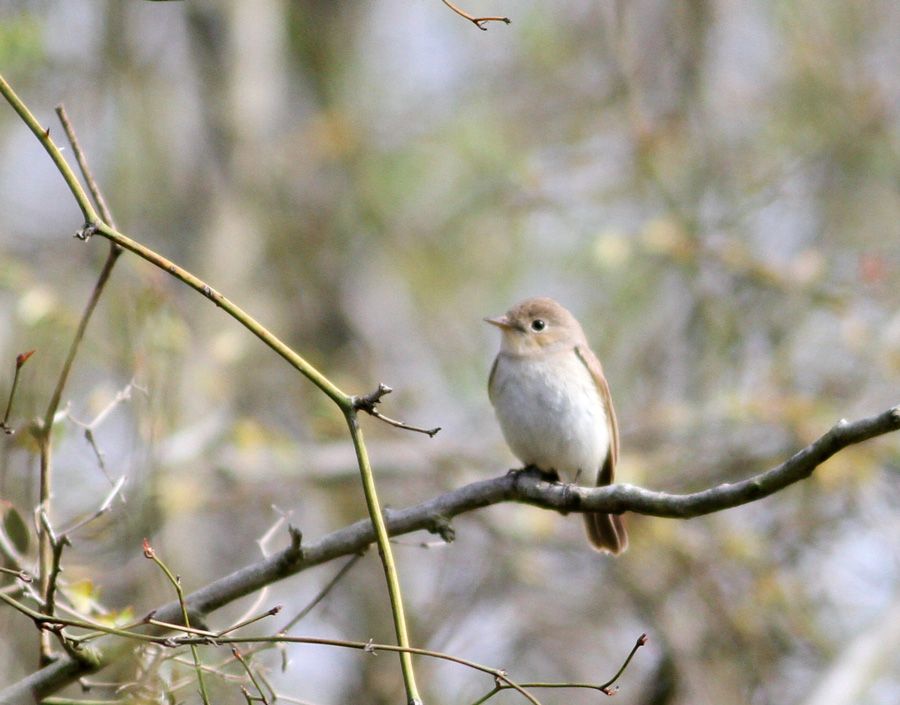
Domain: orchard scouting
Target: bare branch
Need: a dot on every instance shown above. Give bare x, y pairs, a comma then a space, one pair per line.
479, 22
101, 510
368, 403
21, 359
86, 172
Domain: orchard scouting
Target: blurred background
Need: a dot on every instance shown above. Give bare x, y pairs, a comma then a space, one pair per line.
712, 187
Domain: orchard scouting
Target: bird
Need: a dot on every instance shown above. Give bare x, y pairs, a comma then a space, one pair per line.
553, 404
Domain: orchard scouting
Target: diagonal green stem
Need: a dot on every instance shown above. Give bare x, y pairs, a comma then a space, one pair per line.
43, 135
387, 557
343, 400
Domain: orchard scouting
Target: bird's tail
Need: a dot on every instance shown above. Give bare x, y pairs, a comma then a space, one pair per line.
606, 532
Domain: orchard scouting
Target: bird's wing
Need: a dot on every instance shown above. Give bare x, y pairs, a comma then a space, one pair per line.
491, 379
607, 471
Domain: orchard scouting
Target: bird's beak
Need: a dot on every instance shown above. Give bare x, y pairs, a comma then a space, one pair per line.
502, 322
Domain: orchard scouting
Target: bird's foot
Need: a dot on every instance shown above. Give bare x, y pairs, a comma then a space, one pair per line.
536, 472
568, 491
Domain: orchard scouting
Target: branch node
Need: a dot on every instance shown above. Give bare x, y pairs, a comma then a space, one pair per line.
294, 553
296, 538
442, 526
368, 401
86, 232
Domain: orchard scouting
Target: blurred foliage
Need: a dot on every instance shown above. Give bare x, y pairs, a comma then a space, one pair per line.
711, 187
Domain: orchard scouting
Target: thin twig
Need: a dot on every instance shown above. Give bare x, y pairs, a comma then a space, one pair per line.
641, 641
344, 570
176, 583
239, 656
263, 594
81, 701
186, 628
203, 639
322, 593
44, 430
89, 427
605, 688
22, 575
21, 359
368, 403
81, 158
101, 510
369, 647
57, 543
479, 22
251, 620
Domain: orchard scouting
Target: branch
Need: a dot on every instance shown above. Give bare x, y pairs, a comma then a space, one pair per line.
434, 515
369, 402
21, 359
381, 536
479, 22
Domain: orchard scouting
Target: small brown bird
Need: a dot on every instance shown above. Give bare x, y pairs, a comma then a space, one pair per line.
553, 403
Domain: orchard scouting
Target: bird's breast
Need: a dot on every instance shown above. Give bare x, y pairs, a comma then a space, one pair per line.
550, 411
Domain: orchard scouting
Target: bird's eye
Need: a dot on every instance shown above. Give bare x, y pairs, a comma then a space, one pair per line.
538, 325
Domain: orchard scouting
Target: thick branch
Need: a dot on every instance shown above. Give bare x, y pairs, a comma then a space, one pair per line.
435, 514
